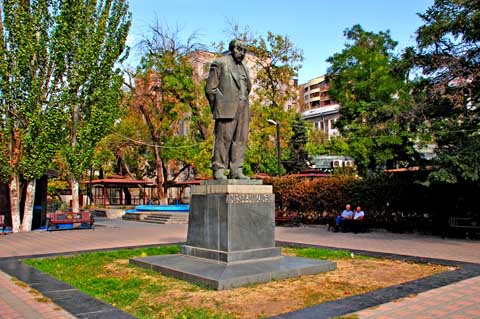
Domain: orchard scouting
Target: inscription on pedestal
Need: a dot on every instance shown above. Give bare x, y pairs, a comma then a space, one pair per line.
250, 198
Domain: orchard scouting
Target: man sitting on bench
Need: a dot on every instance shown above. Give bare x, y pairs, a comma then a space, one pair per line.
357, 222
345, 218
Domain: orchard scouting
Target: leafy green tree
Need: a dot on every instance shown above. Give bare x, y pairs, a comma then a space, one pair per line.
31, 117
94, 33
274, 65
371, 85
448, 56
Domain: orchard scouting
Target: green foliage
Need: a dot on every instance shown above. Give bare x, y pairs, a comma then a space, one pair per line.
448, 95
261, 154
370, 84
323, 253
298, 157
94, 34
76, 270
32, 119
276, 63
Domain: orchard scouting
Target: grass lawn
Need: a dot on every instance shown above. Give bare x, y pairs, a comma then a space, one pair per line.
148, 294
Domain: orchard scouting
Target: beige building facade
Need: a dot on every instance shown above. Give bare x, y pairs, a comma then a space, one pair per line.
317, 107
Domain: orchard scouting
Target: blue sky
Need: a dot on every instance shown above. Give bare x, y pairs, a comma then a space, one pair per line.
315, 26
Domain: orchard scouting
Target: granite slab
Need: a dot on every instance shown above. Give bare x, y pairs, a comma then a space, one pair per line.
221, 276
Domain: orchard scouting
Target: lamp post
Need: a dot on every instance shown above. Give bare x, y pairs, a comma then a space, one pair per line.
279, 169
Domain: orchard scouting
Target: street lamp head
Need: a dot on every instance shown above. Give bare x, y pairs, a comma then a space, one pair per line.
272, 122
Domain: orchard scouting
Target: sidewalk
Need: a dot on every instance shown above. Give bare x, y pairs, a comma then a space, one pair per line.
401, 244
456, 301
117, 233
22, 302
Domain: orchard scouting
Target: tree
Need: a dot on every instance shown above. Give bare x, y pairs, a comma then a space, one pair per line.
94, 32
298, 157
31, 117
171, 101
448, 56
275, 63
371, 85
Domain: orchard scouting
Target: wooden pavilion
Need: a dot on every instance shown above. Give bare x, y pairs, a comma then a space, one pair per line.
120, 191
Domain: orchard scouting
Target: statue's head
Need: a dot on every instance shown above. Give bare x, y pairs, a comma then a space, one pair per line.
237, 49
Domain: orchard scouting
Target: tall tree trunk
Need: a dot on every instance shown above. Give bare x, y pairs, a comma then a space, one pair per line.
160, 177
29, 203
15, 203
75, 195
74, 183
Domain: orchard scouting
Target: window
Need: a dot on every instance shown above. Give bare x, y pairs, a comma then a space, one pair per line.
314, 94
326, 102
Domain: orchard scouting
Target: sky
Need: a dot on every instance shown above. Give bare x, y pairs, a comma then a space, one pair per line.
314, 26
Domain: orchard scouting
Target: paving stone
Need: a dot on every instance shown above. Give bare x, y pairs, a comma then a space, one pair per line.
462, 253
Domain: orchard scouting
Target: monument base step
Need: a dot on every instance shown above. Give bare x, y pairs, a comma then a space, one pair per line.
232, 256
220, 275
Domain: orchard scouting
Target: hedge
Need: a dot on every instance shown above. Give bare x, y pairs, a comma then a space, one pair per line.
397, 202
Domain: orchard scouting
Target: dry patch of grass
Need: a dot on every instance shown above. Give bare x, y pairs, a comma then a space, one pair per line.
19, 283
147, 294
351, 277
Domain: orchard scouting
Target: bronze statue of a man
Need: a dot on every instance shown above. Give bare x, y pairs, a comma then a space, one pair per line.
227, 89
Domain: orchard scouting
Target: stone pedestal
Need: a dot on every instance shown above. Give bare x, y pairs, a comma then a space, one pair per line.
231, 221
231, 239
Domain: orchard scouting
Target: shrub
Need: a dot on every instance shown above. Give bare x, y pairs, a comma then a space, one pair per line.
396, 202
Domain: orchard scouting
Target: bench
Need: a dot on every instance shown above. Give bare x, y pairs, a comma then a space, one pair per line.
66, 220
468, 226
286, 217
348, 226
3, 224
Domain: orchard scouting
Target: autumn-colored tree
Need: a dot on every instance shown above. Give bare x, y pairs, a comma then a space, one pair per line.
165, 93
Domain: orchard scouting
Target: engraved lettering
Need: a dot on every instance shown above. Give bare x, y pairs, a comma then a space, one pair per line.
250, 198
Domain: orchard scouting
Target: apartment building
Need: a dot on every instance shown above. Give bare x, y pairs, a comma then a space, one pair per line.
316, 106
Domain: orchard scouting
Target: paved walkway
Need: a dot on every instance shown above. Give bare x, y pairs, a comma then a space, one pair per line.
456, 301
20, 302
401, 244
115, 233
107, 234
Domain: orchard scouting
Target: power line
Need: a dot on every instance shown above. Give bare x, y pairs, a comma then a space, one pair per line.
153, 145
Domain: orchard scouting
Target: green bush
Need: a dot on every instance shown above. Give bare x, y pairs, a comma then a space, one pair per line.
397, 202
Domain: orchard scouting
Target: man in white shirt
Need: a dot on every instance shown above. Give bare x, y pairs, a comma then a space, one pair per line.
359, 214
358, 219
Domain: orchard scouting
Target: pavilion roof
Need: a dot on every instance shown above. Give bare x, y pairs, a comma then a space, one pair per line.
118, 180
